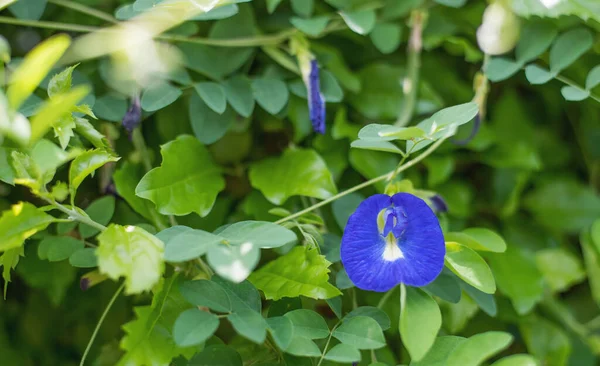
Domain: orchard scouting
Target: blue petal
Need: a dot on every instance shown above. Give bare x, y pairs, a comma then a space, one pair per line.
421, 243
316, 102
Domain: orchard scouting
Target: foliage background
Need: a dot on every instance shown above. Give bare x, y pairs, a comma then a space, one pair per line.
532, 173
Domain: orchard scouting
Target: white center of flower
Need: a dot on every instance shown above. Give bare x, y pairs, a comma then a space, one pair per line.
392, 251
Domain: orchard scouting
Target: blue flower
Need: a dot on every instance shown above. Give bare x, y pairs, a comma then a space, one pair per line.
316, 102
392, 240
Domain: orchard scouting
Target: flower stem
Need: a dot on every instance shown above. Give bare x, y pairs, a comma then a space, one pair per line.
95, 333
74, 215
84, 10
401, 168
410, 84
385, 298
327, 344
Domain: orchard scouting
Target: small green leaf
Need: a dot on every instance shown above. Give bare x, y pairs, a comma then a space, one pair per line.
313, 26
271, 94
61, 82
34, 68
548, 342
261, 234
361, 332
469, 266
131, 252
126, 178
238, 91
300, 346
568, 47
296, 172
282, 330
440, 351
361, 22
420, 321
249, 324
9, 260
372, 312
58, 248
20, 222
159, 95
343, 353
377, 132
193, 327
386, 37
479, 239
517, 360
535, 39
221, 12
87, 131
213, 95
111, 107
376, 146
243, 296
446, 287
216, 355
303, 7
101, 211
187, 180
308, 324
84, 258
593, 78
302, 271
233, 262
183, 243
537, 75
32, 9
561, 269
486, 302
475, 350
85, 164
574, 93
206, 293
500, 68
208, 125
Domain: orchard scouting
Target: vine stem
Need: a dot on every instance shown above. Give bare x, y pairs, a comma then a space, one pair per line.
327, 344
100, 321
385, 176
73, 214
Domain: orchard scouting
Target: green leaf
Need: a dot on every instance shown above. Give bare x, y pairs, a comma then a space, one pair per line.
303, 7
63, 130
440, 351
377, 132
87, 130
85, 164
208, 125
486, 302
233, 262
21, 222
372, 312
216, 355
361, 22
282, 330
480, 239
537, 75
243, 296
546, 341
58, 248
271, 94
469, 266
300, 346
386, 37
376, 146
133, 253
581, 8
578, 204
591, 259
500, 68
296, 172
7, 174
523, 287
9, 260
593, 78
187, 180
101, 211
110, 107
148, 339
238, 90
343, 353
32, 9
568, 47
213, 95
561, 269
574, 93
302, 271
159, 95
380, 93
535, 39
272, 5
475, 350
420, 321
221, 12
183, 243
446, 287
517, 360
206, 293
61, 82
308, 324
344, 207
261, 234
249, 324
34, 68
361, 332
313, 26
84, 258
193, 327
126, 179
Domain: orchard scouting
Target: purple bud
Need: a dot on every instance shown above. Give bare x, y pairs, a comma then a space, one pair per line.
84, 284
316, 102
134, 115
438, 203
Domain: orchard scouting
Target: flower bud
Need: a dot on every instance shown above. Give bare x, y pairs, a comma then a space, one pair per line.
499, 30
134, 115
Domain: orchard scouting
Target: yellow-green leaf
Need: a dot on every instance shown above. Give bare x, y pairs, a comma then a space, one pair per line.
85, 164
19, 223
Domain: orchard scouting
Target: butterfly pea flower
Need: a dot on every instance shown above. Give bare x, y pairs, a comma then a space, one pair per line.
316, 102
133, 116
392, 240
